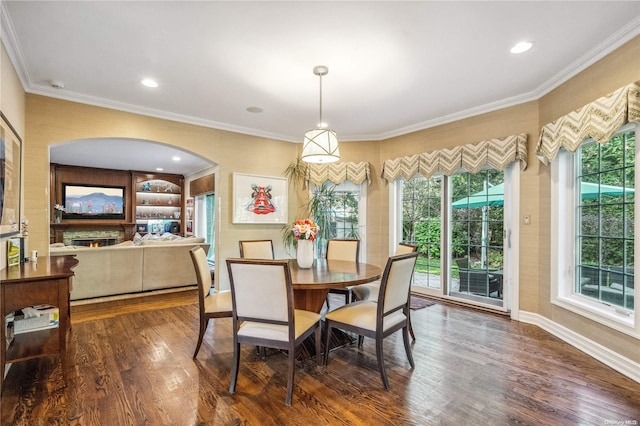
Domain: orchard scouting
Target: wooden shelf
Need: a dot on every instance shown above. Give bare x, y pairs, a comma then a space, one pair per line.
160, 194
36, 283
33, 344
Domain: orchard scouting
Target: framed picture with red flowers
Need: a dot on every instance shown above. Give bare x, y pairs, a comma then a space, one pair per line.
260, 199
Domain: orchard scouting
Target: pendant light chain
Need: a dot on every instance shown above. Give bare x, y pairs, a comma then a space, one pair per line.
320, 144
320, 122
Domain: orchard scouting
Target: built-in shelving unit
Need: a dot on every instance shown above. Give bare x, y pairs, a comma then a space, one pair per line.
158, 203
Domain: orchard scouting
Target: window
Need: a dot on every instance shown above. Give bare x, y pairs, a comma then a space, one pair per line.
477, 223
593, 211
346, 218
205, 222
459, 224
421, 221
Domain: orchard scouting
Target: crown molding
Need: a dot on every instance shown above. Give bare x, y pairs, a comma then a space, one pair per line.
604, 48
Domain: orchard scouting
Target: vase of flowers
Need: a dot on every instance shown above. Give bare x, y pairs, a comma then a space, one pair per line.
305, 232
57, 213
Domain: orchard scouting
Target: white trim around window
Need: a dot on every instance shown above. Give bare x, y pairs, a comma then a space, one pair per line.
563, 246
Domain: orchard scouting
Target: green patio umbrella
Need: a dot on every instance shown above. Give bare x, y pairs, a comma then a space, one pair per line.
591, 191
494, 196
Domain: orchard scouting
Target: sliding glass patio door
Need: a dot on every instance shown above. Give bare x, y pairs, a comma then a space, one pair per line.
477, 237
462, 227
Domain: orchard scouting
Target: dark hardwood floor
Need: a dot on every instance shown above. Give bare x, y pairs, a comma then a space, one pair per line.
130, 364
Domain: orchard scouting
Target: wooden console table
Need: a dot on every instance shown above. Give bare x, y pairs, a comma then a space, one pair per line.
44, 282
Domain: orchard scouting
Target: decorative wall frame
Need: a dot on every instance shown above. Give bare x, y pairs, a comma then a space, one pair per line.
10, 178
260, 199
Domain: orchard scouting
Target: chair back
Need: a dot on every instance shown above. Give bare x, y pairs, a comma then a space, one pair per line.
477, 281
405, 248
261, 290
203, 274
256, 249
396, 283
338, 249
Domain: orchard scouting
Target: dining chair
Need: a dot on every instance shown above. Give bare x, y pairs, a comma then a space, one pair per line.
264, 313
379, 320
342, 249
370, 291
256, 249
211, 305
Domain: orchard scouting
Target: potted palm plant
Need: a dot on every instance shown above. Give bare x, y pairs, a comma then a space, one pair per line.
319, 208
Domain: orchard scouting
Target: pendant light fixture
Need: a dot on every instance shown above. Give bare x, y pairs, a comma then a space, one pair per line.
320, 144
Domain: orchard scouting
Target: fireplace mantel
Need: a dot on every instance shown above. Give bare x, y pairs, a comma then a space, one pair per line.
58, 229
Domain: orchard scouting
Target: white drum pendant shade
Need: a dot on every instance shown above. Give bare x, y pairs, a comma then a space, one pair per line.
320, 146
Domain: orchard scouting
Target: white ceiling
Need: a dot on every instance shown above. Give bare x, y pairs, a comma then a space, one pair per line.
394, 67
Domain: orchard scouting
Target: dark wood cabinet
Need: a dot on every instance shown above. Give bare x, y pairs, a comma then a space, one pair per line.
46, 282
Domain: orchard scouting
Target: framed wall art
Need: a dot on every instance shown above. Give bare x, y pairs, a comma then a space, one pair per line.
10, 172
259, 199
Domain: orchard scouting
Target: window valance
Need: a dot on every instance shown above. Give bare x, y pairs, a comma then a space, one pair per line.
356, 172
599, 120
498, 153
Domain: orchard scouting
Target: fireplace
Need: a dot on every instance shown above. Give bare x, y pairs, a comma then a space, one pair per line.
93, 242
68, 233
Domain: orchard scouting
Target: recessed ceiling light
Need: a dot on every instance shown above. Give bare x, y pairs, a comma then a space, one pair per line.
175, 158
521, 47
255, 110
149, 82
159, 169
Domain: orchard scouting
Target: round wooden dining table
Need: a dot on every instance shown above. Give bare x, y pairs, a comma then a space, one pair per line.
311, 285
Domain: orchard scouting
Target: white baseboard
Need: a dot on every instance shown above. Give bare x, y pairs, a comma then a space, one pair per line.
623, 365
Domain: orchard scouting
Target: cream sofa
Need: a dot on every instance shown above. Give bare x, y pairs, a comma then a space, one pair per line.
129, 268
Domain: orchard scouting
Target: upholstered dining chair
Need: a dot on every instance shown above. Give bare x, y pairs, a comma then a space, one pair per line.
382, 318
211, 305
256, 249
341, 249
264, 313
370, 291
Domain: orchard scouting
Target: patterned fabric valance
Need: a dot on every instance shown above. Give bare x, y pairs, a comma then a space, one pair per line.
599, 119
498, 153
338, 172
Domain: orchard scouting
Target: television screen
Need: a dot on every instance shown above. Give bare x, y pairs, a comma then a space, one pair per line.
93, 201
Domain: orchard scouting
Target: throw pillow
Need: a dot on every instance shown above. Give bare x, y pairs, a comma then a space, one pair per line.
137, 239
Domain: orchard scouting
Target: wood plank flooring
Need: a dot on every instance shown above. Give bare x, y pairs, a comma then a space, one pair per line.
130, 364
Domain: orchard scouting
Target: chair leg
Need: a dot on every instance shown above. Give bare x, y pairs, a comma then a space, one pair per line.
318, 345
203, 328
347, 297
235, 367
360, 340
413, 336
290, 374
328, 306
327, 333
407, 346
380, 358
